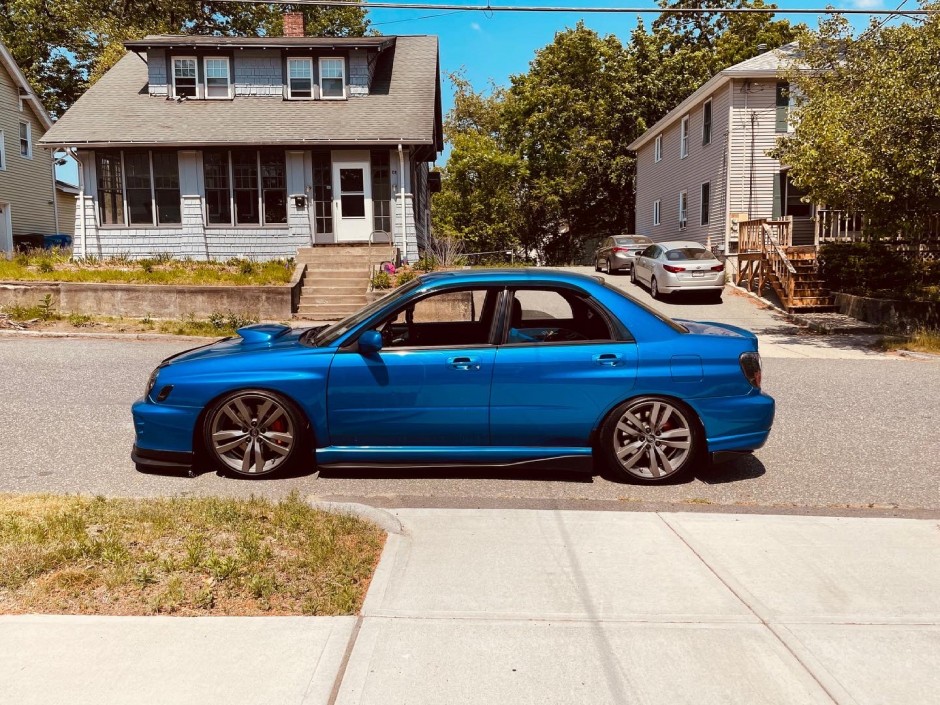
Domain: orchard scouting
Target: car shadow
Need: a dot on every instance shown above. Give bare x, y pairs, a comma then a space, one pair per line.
747, 467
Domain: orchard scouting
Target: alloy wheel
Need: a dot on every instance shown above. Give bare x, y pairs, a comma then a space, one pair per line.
252, 434
654, 289
652, 440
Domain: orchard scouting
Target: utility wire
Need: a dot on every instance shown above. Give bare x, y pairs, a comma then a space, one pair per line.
589, 10
415, 19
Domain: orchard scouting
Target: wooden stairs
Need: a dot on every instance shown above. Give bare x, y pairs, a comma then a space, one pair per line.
336, 282
767, 257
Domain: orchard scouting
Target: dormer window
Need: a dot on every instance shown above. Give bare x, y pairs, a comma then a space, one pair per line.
332, 78
218, 77
299, 78
184, 77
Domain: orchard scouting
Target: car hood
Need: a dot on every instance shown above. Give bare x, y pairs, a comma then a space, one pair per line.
250, 339
712, 328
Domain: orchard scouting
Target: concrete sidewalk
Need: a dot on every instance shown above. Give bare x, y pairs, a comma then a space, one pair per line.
519, 606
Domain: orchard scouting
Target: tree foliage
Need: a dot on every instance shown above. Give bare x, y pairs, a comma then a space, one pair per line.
65, 45
867, 122
543, 165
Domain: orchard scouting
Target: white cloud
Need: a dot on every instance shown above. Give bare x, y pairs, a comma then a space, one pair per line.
476, 27
867, 4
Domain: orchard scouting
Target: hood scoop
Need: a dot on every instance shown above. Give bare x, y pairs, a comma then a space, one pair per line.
263, 332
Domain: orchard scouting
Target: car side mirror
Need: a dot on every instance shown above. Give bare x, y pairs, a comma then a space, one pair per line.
370, 342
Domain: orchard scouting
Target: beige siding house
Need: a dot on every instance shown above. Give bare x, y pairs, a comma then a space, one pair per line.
27, 177
704, 166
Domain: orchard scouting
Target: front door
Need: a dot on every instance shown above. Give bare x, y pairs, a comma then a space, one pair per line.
352, 195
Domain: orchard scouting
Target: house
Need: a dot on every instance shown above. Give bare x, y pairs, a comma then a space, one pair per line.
214, 147
704, 167
27, 173
66, 195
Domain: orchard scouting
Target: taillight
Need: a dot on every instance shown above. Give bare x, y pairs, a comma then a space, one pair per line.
620, 249
751, 367
718, 268
673, 269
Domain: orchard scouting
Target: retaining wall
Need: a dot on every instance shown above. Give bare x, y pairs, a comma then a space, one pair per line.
893, 315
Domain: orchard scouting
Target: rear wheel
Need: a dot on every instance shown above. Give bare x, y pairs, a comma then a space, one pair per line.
597, 265
650, 439
633, 278
610, 270
254, 432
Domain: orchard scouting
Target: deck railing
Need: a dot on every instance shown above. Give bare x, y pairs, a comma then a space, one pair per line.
762, 243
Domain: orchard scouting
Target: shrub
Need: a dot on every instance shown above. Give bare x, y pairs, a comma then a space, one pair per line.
147, 265
426, 262
405, 276
246, 267
381, 280
45, 266
868, 268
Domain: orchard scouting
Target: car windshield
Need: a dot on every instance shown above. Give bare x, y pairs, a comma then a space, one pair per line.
687, 253
332, 333
632, 240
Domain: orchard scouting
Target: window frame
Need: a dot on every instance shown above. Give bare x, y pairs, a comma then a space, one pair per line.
228, 188
707, 115
195, 60
705, 202
28, 154
657, 212
342, 62
259, 189
230, 85
683, 210
684, 137
658, 149
119, 154
290, 92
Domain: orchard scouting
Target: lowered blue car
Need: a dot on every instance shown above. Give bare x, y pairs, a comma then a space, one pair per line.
525, 367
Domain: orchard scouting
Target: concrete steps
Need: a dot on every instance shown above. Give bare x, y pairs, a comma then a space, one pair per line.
337, 279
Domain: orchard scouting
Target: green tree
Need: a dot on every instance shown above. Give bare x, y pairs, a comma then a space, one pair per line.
867, 122
64, 45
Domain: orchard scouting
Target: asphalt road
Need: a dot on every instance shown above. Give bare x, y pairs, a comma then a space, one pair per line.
853, 429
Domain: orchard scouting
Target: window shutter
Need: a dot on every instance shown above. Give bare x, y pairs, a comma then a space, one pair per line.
783, 106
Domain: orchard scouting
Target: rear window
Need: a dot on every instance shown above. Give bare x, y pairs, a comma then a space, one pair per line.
687, 253
632, 240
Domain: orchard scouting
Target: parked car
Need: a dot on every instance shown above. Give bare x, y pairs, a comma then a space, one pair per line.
668, 267
508, 368
617, 253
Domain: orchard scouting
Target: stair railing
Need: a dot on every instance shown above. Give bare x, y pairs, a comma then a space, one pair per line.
779, 264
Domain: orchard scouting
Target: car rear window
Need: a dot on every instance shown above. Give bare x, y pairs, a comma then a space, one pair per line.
687, 253
632, 240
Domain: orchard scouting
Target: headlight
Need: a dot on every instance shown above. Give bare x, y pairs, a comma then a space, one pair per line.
751, 367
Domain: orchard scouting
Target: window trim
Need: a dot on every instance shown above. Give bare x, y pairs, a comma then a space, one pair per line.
290, 93
29, 140
707, 118
705, 213
259, 183
205, 72
195, 60
657, 212
683, 210
126, 220
684, 137
658, 149
342, 61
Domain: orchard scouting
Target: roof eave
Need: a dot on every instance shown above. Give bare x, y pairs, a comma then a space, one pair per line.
112, 144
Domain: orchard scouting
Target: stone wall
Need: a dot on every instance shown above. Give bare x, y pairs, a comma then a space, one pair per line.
893, 315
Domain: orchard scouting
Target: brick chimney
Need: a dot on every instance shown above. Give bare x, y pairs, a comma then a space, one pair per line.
293, 24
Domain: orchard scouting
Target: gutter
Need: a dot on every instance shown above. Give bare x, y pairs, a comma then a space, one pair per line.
381, 141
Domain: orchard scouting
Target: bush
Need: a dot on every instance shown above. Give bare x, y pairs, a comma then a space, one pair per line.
869, 269
405, 276
381, 280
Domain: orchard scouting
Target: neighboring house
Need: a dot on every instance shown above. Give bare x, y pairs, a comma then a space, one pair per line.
704, 166
213, 147
65, 198
27, 173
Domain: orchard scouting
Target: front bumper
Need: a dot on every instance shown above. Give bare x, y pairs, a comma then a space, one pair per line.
164, 428
161, 459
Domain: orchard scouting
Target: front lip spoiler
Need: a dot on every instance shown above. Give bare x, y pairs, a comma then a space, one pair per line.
724, 456
165, 459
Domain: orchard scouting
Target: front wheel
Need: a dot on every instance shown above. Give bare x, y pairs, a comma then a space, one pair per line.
254, 432
633, 279
597, 265
650, 439
654, 289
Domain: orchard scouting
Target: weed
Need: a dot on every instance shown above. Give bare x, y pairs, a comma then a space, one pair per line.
46, 308
147, 265
45, 266
246, 267
80, 320
405, 276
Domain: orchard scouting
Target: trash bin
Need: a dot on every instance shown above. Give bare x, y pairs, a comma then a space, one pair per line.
31, 241
60, 240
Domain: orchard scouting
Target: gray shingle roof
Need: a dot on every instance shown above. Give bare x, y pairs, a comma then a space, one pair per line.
403, 105
196, 40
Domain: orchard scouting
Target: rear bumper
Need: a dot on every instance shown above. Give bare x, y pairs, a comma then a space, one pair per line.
736, 424
672, 285
621, 261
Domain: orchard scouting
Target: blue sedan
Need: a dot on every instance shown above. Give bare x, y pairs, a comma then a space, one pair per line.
526, 367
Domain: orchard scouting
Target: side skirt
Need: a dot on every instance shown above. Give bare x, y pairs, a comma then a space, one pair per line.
373, 457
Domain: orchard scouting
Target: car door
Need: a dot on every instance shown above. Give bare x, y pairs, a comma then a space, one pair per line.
428, 386
549, 390
641, 263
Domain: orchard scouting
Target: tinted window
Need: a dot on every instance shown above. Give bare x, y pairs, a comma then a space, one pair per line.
633, 240
689, 253
540, 316
650, 252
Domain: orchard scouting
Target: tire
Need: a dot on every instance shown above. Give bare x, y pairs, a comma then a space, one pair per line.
597, 266
633, 279
275, 430
715, 296
650, 440
610, 270
654, 289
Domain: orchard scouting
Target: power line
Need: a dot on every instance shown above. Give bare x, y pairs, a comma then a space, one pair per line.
414, 19
589, 10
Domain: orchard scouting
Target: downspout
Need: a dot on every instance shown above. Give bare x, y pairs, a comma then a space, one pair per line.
401, 189
55, 195
81, 197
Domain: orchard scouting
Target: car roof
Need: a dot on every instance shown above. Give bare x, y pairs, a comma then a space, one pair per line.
681, 243
520, 275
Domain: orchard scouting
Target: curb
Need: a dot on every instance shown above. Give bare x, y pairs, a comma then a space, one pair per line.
932, 357
168, 337
380, 517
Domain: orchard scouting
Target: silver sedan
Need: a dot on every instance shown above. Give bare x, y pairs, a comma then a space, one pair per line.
668, 267
618, 252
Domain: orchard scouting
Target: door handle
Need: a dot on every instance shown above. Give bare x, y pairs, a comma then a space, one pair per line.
463, 363
608, 359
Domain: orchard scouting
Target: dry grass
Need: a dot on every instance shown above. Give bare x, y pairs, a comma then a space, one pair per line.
923, 340
83, 555
58, 265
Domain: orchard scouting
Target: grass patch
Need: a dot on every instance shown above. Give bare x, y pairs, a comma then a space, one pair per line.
927, 341
83, 555
58, 265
